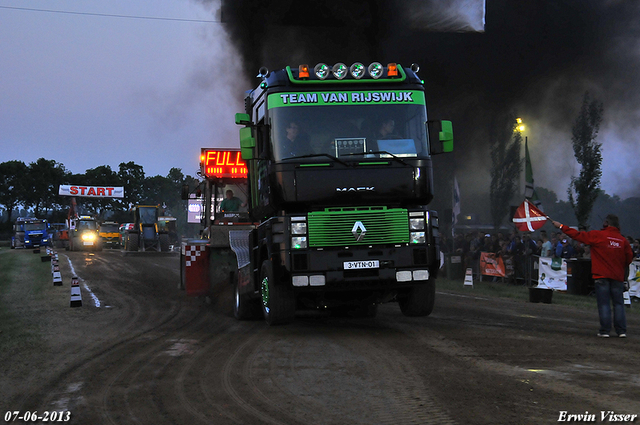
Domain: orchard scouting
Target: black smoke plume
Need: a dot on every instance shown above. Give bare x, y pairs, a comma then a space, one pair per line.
534, 58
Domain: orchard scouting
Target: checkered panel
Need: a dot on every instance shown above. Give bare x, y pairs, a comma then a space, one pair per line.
192, 252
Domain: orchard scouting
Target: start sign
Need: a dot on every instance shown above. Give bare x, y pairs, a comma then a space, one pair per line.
219, 163
91, 191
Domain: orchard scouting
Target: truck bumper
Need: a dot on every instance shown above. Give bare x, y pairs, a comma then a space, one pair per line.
363, 268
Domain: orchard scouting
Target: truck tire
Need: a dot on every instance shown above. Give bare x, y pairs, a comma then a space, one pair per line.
418, 300
244, 308
278, 298
164, 242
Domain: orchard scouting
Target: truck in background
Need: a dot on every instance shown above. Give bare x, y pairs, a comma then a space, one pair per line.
109, 234
339, 164
30, 233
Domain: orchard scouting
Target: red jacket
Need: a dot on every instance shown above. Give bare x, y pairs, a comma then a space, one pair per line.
611, 253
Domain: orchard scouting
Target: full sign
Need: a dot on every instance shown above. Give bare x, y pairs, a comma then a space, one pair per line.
91, 191
220, 163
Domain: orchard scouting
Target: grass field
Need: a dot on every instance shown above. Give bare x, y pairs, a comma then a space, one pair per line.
24, 279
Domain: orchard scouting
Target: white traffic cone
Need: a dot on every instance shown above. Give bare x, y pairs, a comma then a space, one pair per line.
76, 296
468, 278
57, 277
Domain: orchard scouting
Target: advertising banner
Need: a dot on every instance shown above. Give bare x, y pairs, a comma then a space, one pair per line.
91, 191
491, 265
195, 211
552, 274
634, 279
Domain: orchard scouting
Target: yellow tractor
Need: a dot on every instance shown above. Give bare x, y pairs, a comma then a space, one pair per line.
145, 234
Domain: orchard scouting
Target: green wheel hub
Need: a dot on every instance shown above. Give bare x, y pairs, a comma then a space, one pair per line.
265, 293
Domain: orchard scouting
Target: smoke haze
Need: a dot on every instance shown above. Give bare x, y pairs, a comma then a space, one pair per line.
534, 58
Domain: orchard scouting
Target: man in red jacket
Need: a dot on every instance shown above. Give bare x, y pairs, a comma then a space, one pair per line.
611, 255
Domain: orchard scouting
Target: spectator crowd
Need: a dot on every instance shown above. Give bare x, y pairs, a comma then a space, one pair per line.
516, 248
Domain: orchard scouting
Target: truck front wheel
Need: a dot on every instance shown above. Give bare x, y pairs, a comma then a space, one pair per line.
418, 300
278, 299
244, 308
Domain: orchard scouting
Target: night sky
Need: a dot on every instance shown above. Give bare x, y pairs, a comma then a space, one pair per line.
110, 83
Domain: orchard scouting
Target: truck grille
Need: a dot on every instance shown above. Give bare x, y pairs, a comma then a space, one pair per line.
334, 226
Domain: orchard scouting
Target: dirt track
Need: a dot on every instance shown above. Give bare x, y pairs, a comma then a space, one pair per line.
151, 355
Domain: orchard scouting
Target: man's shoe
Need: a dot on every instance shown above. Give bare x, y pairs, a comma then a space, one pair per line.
622, 336
603, 335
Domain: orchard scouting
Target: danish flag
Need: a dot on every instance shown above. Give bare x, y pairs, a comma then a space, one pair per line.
528, 218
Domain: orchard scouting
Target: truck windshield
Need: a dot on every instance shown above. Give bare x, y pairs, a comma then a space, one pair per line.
148, 215
87, 225
35, 226
109, 228
369, 130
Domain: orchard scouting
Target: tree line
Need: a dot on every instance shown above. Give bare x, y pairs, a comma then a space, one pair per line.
35, 186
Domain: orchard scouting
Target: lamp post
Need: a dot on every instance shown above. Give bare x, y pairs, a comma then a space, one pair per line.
520, 128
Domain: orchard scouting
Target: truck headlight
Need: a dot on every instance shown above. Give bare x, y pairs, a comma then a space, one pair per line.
416, 223
88, 237
299, 242
418, 237
299, 228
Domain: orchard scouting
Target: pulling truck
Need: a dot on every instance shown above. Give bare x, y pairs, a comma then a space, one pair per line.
81, 232
84, 234
214, 260
340, 174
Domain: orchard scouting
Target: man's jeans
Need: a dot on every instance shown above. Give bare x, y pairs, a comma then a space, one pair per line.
608, 290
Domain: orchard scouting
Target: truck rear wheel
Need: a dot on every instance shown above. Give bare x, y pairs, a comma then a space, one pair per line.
278, 298
418, 300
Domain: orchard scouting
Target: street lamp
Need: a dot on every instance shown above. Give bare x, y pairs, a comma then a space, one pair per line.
520, 125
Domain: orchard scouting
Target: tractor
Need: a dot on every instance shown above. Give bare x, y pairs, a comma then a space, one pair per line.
145, 234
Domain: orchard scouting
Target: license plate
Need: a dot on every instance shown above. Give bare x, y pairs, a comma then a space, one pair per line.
352, 265
87, 243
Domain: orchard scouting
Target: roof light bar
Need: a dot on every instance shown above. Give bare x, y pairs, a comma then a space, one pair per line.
339, 70
357, 70
375, 70
322, 71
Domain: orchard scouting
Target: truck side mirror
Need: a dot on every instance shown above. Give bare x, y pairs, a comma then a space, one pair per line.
247, 143
243, 119
440, 136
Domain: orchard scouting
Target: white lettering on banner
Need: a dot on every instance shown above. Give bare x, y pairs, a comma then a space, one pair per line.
353, 97
334, 98
299, 98
91, 191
